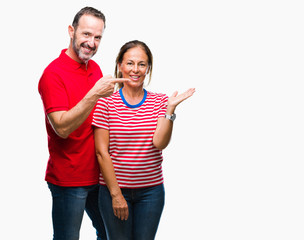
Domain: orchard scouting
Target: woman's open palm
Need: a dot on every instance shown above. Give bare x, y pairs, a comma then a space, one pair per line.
176, 99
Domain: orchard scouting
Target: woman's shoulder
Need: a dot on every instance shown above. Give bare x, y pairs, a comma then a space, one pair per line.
156, 95
114, 97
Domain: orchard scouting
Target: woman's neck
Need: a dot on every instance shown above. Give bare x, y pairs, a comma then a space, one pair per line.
133, 95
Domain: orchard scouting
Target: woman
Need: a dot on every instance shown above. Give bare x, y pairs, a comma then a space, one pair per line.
132, 127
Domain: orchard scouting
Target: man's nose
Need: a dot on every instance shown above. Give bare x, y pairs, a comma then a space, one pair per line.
91, 42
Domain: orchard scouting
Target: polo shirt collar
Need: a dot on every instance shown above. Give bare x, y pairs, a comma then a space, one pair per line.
71, 62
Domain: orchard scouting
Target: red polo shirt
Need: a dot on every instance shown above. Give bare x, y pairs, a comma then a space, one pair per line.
72, 161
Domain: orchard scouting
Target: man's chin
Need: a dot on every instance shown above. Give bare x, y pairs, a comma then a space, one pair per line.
85, 58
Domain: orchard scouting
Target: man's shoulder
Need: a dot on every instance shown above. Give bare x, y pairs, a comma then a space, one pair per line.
63, 65
54, 65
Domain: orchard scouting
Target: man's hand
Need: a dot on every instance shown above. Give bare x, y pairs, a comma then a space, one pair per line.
65, 122
105, 86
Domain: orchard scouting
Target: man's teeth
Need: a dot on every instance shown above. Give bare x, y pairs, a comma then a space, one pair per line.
87, 49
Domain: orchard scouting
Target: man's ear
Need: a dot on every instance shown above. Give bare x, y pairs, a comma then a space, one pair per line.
71, 31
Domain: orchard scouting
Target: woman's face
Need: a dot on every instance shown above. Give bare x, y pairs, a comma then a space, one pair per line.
134, 66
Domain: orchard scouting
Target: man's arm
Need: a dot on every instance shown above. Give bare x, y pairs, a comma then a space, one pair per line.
65, 122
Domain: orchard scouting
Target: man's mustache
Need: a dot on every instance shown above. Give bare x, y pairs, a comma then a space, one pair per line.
87, 46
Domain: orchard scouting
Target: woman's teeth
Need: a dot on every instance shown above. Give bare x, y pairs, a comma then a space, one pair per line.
134, 77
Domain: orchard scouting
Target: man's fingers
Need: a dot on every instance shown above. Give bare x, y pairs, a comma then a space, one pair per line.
119, 80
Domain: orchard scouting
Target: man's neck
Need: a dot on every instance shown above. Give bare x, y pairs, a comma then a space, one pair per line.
71, 53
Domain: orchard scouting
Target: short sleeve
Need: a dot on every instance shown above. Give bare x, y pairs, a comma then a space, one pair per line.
53, 92
163, 105
101, 114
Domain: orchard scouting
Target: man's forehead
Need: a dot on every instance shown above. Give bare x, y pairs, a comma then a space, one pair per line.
90, 20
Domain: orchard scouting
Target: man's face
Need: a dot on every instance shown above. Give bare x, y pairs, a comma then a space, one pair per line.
87, 37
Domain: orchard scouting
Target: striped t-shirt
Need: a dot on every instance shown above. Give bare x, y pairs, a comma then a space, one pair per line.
136, 161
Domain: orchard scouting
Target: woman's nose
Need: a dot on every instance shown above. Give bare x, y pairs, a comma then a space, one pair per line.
135, 68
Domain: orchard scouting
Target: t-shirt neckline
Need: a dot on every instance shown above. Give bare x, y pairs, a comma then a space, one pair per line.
130, 105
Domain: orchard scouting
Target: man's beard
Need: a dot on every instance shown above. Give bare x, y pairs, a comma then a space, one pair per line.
83, 57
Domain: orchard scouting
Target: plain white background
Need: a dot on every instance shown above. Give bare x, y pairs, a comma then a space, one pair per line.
234, 168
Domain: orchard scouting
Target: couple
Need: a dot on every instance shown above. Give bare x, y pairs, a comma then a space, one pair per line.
95, 135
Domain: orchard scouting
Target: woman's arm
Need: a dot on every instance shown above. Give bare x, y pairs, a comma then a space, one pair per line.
120, 206
163, 132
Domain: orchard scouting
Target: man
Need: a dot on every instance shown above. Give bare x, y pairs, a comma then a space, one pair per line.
69, 87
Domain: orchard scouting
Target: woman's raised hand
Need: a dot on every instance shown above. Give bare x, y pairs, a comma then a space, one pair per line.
176, 99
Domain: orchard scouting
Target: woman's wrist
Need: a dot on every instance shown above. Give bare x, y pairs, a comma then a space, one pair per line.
115, 192
170, 109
